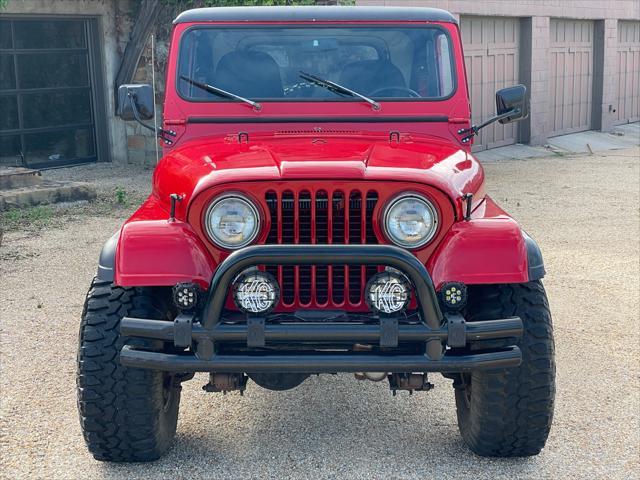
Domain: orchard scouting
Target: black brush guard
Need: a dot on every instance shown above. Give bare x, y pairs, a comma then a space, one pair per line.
198, 336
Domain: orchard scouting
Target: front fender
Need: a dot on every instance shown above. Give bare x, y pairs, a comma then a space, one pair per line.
490, 248
161, 253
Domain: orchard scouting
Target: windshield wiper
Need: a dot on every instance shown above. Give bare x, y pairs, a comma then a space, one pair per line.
334, 87
222, 93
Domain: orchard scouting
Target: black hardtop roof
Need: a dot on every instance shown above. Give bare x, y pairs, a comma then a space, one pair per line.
311, 14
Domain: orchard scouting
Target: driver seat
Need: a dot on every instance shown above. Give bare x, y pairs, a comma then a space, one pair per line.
367, 76
249, 74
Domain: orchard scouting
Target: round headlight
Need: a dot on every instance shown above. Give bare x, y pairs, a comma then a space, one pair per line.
410, 221
232, 221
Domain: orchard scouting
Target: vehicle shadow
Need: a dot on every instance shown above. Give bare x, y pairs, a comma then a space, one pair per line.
331, 426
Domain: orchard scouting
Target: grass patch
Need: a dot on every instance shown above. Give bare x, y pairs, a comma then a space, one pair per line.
32, 217
119, 203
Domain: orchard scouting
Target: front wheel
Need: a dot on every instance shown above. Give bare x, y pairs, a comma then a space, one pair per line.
126, 414
508, 413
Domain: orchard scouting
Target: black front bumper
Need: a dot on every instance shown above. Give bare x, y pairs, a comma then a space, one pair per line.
198, 337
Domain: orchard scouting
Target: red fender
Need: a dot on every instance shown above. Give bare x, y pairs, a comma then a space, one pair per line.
489, 248
160, 252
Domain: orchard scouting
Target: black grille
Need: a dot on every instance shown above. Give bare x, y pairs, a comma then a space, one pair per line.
321, 217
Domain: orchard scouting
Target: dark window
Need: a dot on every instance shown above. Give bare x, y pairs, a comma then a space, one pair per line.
5, 34
390, 62
43, 34
7, 75
56, 108
46, 94
59, 147
9, 109
10, 150
47, 70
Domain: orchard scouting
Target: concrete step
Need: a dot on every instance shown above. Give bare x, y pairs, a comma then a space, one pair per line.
45, 192
16, 177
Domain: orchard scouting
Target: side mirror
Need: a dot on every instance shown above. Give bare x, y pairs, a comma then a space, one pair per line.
512, 99
138, 97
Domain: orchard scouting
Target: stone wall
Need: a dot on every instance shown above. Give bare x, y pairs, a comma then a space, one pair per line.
141, 143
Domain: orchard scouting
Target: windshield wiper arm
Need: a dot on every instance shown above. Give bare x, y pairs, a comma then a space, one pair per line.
222, 93
334, 87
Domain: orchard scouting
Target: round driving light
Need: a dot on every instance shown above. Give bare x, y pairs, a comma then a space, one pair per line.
232, 221
186, 295
255, 291
453, 295
410, 221
388, 292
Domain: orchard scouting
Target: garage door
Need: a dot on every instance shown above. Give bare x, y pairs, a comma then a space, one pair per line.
48, 100
571, 76
628, 106
491, 56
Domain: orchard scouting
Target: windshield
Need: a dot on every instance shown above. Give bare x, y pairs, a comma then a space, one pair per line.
274, 63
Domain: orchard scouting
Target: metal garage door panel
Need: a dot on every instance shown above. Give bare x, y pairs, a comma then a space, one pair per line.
571, 76
47, 88
491, 55
628, 106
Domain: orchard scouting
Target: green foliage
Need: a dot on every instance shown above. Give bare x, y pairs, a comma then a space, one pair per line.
121, 196
253, 3
3, 3
29, 217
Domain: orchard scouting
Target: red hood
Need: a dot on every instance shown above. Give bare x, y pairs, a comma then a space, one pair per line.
199, 165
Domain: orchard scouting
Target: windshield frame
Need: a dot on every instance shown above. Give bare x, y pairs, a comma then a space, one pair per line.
304, 25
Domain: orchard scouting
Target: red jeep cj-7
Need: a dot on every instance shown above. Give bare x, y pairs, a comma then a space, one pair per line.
317, 210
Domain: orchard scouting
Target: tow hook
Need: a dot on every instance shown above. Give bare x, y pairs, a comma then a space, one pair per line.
226, 382
409, 382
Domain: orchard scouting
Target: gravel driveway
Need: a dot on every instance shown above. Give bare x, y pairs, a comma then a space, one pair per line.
582, 210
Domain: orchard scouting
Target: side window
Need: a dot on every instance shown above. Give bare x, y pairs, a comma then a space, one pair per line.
443, 57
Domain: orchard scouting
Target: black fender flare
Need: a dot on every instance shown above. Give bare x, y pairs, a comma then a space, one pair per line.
107, 260
534, 258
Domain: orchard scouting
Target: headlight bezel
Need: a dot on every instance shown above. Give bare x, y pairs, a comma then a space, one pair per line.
431, 207
252, 207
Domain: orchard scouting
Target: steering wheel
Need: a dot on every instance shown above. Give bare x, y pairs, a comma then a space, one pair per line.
412, 93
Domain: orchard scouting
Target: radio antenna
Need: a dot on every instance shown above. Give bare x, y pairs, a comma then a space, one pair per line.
153, 88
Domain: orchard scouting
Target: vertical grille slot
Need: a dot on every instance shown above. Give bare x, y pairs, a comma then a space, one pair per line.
304, 237
338, 237
370, 235
271, 198
322, 238
322, 217
288, 238
355, 237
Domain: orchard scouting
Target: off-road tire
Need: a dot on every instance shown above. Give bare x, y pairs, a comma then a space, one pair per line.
508, 413
126, 414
